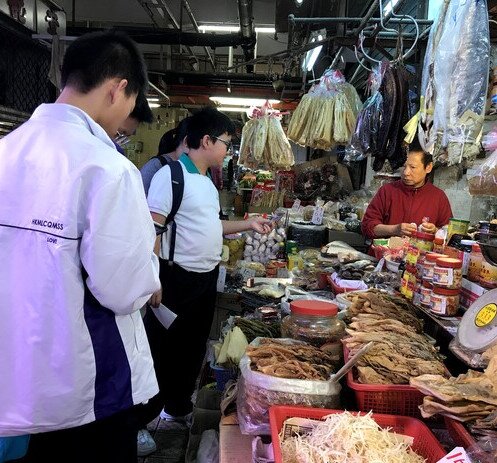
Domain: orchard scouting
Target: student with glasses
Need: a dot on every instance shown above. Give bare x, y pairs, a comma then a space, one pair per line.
189, 283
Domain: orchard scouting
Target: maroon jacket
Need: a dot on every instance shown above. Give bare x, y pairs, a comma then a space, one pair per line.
397, 203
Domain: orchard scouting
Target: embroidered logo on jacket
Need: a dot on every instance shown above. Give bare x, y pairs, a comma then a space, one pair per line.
48, 224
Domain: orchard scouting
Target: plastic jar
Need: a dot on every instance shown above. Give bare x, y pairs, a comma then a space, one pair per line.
475, 263
429, 265
425, 294
438, 245
444, 301
425, 241
316, 323
448, 273
488, 275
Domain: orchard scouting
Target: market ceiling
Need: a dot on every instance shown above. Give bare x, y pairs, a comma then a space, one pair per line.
247, 60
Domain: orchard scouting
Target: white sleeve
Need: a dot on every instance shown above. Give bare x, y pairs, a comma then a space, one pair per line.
160, 193
117, 245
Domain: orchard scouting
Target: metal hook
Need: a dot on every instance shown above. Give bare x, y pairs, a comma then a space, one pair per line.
360, 61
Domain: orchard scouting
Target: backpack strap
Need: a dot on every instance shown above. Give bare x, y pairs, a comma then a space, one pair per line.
162, 159
178, 186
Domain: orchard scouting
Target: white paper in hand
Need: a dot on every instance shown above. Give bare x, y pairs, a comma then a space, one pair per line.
164, 315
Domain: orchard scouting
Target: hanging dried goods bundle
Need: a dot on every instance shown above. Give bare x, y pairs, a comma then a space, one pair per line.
264, 142
326, 115
379, 129
455, 81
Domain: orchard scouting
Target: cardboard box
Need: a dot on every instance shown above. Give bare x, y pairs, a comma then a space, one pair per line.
233, 445
470, 292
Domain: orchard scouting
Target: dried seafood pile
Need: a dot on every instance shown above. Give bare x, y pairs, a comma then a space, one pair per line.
326, 115
323, 181
264, 142
293, 361
470, 398
400, 351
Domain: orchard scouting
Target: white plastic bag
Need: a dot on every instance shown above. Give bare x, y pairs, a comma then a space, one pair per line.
258, 391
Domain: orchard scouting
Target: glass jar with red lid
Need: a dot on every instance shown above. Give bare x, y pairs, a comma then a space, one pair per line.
316, 323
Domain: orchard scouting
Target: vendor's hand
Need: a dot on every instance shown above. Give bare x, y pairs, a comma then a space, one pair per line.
260, 225
156, 298
428, 227
405, 229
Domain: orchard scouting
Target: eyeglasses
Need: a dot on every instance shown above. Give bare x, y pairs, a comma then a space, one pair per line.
226, 142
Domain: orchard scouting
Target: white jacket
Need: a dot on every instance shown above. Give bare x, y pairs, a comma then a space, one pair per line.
75, 235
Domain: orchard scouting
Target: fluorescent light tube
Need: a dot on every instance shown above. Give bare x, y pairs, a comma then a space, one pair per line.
228, 100
221, 28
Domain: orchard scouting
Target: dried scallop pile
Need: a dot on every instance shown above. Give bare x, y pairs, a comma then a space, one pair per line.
326, 115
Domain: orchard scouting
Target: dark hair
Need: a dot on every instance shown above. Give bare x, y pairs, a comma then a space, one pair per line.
173, 138
415, 147
95, 57
208, 121
142, 111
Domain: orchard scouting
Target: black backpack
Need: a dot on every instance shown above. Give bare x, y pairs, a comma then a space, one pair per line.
178, 185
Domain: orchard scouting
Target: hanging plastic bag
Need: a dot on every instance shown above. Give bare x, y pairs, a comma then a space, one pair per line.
484, 180
363, 141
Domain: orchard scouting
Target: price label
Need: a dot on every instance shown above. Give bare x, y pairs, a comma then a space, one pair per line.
458, 455
296, 205
317, 217
486, 315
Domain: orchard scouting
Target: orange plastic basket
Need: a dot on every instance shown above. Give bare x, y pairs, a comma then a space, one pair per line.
424, 444
459, 433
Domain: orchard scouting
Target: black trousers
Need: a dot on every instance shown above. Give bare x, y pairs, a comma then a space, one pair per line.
178, 352
108, 440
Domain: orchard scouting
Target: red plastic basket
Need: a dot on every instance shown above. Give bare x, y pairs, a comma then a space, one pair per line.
425, 443
459, 433
337, 289
391, 399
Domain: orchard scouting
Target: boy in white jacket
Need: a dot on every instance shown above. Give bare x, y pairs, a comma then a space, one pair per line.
76, 246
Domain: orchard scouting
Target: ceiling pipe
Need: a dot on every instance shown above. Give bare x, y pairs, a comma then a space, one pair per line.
163, 10
330, 21
171, 37
247, 31
195, 26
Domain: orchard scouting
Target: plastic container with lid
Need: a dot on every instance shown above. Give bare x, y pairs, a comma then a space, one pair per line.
457, 226
444, 301
429, 265
425, 241
448, 273
316, 323
488, 275
425, 294
466, 247
438, 245
475, 262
